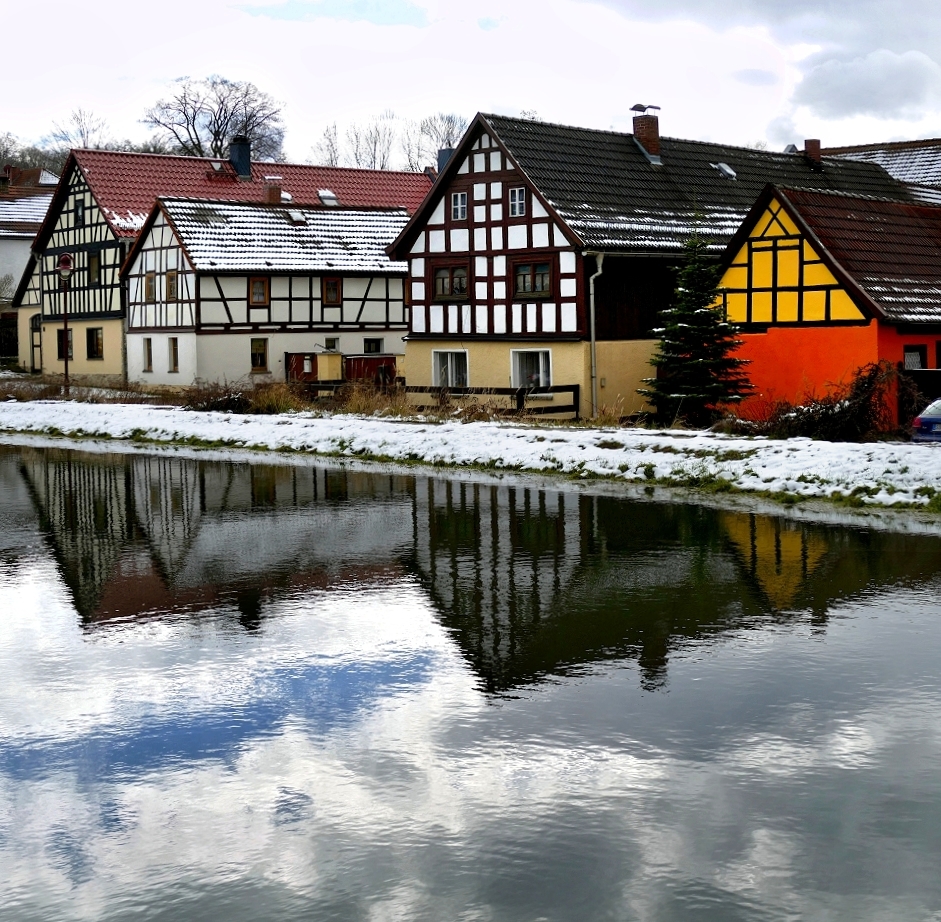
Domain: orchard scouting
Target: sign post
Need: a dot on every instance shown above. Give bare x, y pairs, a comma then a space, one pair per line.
64, 267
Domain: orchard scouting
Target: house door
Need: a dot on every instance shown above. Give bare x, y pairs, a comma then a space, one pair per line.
35, 343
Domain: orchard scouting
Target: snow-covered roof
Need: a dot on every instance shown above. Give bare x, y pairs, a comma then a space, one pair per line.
29, 210
247, 237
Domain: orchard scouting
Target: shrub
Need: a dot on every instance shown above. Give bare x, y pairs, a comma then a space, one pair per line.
225, 398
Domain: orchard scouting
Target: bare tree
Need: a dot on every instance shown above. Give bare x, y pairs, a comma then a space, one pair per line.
530, 115
7, 288
204, 115
326, 152
82, 129
9, 148
444, 129
369, 144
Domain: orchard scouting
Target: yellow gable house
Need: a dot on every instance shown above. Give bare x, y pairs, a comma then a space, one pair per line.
823, 283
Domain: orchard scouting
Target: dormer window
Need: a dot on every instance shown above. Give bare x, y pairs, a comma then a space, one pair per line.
458, 206
518, 202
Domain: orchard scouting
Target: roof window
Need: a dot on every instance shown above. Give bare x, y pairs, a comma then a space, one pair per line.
328, 197
725, 170
296, 217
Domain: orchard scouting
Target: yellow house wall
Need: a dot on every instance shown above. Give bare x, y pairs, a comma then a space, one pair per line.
108, 370
622, 366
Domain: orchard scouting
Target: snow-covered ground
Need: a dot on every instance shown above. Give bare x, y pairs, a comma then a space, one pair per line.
881, 474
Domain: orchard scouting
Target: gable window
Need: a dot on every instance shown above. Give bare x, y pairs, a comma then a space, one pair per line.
148, 354
94, 270
173, 352
332, 344
449, 368
61, 338
258, 292
79, 214
458, 206
532, 368
915, 357
333, 291
95, 343
150, 287
372, 346
518, 202
259, 355
451, 282
172, 290
533, 279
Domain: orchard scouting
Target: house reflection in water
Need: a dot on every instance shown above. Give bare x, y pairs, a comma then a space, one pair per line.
530, 582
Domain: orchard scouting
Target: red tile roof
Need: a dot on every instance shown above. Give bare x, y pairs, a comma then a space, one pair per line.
126, 185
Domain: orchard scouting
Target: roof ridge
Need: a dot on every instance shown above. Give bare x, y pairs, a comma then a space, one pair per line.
837, 193
881, 145
290, 206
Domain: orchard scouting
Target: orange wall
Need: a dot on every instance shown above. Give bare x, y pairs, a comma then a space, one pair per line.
891, 344
790, 363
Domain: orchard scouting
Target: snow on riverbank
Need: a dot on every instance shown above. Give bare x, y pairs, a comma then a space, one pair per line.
876, 473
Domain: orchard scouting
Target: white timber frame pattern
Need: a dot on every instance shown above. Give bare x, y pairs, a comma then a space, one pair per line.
80, 229
495, 248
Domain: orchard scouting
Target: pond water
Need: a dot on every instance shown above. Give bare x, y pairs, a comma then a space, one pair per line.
234, 691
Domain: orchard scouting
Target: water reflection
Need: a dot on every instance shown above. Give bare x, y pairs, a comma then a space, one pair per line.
530, 582
239, 691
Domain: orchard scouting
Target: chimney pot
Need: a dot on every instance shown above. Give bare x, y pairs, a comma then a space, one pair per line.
240, 156
812, 149
647, 133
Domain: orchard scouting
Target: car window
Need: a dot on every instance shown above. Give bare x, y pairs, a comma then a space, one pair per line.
933, 410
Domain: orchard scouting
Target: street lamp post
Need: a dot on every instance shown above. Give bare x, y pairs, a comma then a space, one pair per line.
64, 268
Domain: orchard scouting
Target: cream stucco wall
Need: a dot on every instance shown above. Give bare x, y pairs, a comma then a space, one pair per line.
107, 370
622, 366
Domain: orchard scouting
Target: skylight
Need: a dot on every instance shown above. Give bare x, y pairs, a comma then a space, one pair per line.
725, 170
296, 217
328, 197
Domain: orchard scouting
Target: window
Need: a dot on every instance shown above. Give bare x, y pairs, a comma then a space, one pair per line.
148, 354
332, 344
533, 279
94, 270
451, 282
150, 288
532, 368
372, 346
332, 291
517, 202
95, 343
60, 344
258, 292
173, 349
449, 369
916, 357
79, 214
458, 206
259, 355
172, 290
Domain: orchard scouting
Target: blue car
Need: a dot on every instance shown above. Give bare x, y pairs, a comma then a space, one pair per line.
926, 426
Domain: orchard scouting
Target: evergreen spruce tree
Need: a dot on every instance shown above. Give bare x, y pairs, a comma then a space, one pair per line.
696, 370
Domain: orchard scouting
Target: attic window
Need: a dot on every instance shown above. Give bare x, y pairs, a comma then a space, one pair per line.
725, 170
296, 217
328, 197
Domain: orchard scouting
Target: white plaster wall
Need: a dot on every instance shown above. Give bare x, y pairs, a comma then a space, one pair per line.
14, 255
161, 375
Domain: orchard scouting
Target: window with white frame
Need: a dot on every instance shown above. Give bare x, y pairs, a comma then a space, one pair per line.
450, 369
532, 367
518, 202
458, 206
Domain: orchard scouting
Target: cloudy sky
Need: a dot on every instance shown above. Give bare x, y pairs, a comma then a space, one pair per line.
738, 71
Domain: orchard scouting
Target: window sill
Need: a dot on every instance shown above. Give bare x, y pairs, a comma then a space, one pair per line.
260, 371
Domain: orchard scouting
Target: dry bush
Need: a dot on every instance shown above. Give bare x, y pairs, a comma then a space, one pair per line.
224, 398
367, 400
278, 397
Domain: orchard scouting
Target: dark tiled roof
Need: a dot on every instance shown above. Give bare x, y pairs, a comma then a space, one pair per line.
916, 162
126, 185
603, 186
891, 249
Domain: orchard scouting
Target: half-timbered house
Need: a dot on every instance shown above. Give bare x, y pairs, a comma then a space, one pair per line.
544, 253
823, 283
100, 206
225, 291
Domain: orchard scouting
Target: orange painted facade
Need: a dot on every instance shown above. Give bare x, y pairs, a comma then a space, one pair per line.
804, 331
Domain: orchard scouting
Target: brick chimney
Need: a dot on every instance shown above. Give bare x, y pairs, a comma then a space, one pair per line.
273, 193
812, 149
647, 133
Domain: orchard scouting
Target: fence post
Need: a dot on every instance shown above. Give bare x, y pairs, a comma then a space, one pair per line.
577, 400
